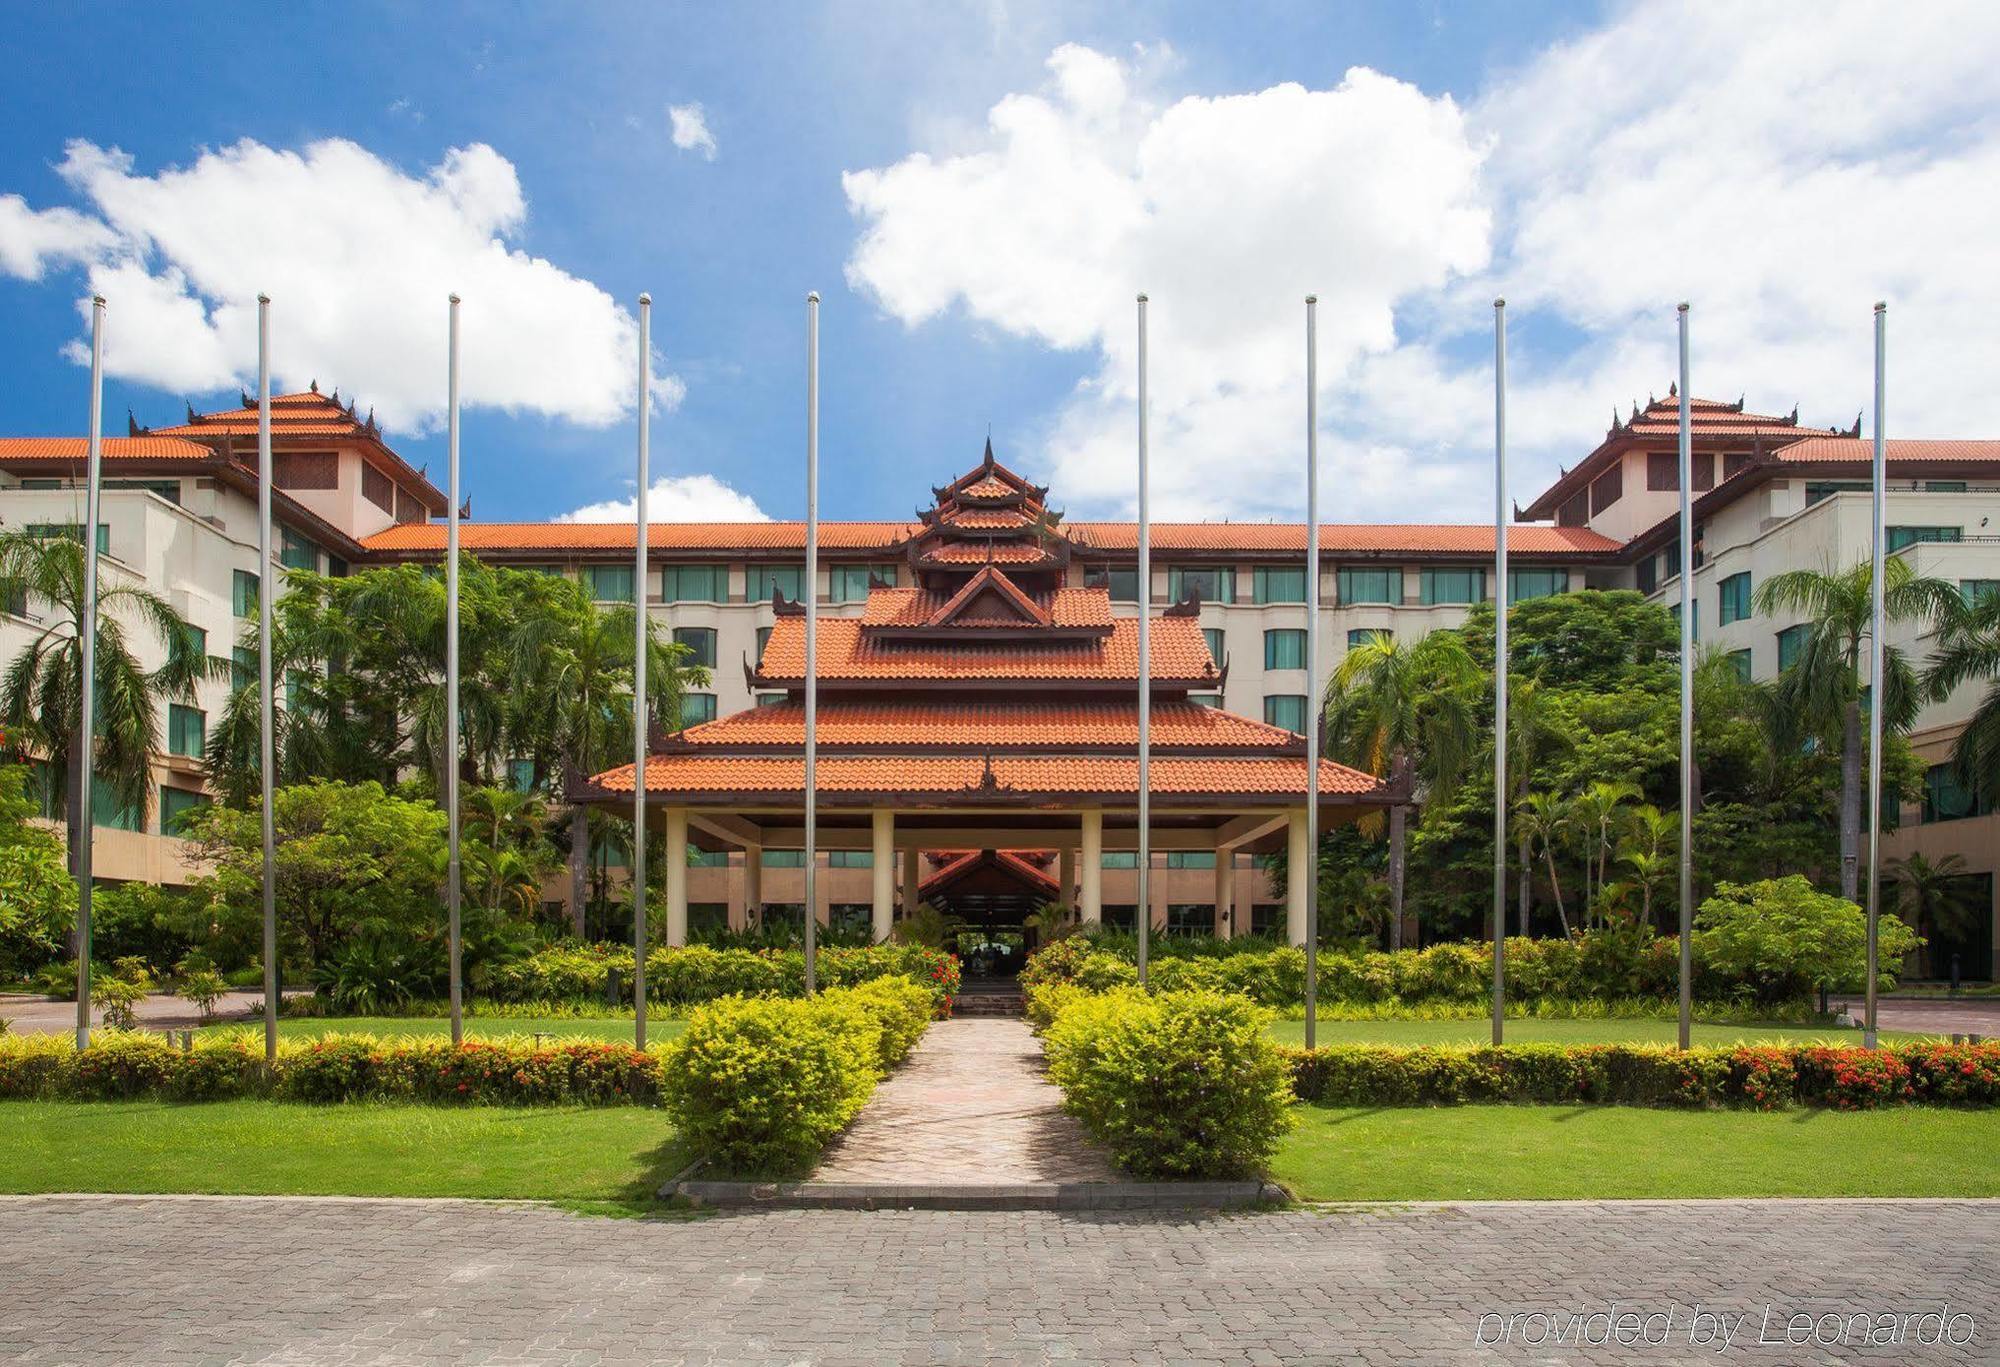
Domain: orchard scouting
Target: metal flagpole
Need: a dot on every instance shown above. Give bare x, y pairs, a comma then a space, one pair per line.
640, 712
1877, 625
812, 640
267, 750
1687, 697
1501, 661
87, 701
453, 879
1312, 719
1144, 916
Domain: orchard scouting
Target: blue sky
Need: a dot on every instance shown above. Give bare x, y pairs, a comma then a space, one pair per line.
1538, 151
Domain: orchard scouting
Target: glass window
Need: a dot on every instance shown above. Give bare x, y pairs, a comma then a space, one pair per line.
763, 639
790, 580
296, 552
1946, 799
707, 859
769, 699
1190, 918
1454, 586
1281, 584
1791, 644
187, 730
697, 708
850, 859
1121, 585
850, 583
1900, 537
1215, 583
1287, 710
242, 668
610, 854
107, 811
1122, 916
1647, 574
1740, 661
243, 593
1944, 486
1213, 635
1735, 592
1121, 859
521, 775
1285, 648
48, 531
696, 583
1670, 560
1975, 589
608, 583
1205, 699
1361, 636
1268, 918
1371, 586
200, 635
1674, 609
175, 805
1191, 859
700, 642
1525, 584
784, 859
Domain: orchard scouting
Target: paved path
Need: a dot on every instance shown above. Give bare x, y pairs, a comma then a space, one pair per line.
969, 1107
184, 1281
161, 1011
1932, 1016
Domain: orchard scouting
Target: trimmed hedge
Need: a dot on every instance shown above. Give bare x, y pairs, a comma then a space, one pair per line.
1758, 1077
760, 1084
1175, 1085
695, 974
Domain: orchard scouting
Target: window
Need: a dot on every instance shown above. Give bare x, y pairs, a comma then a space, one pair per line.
849, 583
1647, 574
1663, 471
1285, 648
106, 810
187, 730
608, 583
707, 859
1946, 799
1361, 636
169, 489
790, 580
1213, 635
1735, 594
521, 775
175, 805
1120, 859
1191, 859
1819, 489
1704, 470
1791, 645
696, 584
707, 919
1670, 560
1205, 699
1607, 489
697, 708
1190, 918
243, 593
378, 488
1268, 918
1215, 583
1975, 589
1523, 585
49, 531
1900, 537
1694, 633
200, 636
763, 639
1454, 586
243, 668
1944, 486
700, 642
296, 552
784, 859
769, 699
14, 601
1121, 585
1281, 584
1122, 917
1287, 710
307, 470
1371, 586
609, 854
1734, 464
1740, 661
1575, 512
850, 859
408, 507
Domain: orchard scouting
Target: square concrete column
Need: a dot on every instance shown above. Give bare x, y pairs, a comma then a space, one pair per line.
912, 879
1091, 897
883, 822
1066, 876
1297, 858
753, 885
677, 876
1225, 887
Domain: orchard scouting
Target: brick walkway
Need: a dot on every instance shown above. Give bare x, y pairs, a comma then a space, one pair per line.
969, 1107
176, 1281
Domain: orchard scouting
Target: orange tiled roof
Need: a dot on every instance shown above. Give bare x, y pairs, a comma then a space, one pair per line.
949, 778
847, 653
420, 537
963, 862
1067, 607
153, 447
979, 723
1861, 450
991, 486
974, 553
987, 519
305, 414
1335, 538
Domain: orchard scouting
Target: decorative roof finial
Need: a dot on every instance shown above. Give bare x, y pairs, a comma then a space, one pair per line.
190, 409
314, 386
1673, 389
1793, 420
244, 395
987, 460
1857, 424
132, 428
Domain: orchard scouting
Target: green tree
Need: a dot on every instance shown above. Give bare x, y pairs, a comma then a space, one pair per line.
1393, 708
1968, 651
1598, 810
1545, 819
1824, 686
1788, 940
37, 894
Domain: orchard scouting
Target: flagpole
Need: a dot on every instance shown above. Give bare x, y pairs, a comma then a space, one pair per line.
640, 635
812, 641
453, 880
267, 749
1687, 695
1144, 916
1878, 624
87, 701
1312, 720
1501, 660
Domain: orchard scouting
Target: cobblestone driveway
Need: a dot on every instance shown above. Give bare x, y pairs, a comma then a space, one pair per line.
179, 1280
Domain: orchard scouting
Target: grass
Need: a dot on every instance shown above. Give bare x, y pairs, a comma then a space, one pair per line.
1607, 1152
1529, 1031
612, 1157
499, 1027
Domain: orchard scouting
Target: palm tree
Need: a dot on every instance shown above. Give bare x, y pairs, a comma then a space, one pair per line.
1933, 896
1545, 819
1392, 708
503, 851
1824, 685
1645, 851
1968, 651
42, 688
1598, 808
1534, 732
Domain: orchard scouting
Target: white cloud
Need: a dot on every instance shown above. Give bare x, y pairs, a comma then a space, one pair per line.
358, 258
678, 498
1228, 211
690, 129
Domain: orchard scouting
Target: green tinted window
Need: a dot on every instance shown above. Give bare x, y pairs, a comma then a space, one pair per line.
786, 579
1523, 585
1285, 648
1735, 594
696, 583
1281, 584
1287, 710
187, 731
608, 583
1454, 586
1371, 586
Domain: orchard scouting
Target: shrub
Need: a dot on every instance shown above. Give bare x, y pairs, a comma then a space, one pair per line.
119, 999
1178, 1085
35, 1066
120, 1064
1780, 938
216, 1070
701, 973
897, 1007
762, 1084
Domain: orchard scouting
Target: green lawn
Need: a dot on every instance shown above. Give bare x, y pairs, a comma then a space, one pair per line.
614, 1154
1415, 1032
1603, 1152
476, 1027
